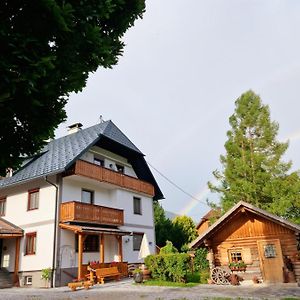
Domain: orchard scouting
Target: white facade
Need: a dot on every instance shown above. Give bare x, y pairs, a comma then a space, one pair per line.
41, 220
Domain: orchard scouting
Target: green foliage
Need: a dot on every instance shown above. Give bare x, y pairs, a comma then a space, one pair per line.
184, 231
253, 169
168, 249
48, 49
200, 261
163, 226
46, 274
168, 267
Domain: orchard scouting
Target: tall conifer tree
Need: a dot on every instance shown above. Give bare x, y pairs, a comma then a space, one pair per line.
253, 170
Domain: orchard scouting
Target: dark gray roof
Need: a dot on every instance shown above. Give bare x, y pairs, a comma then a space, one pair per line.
59, 154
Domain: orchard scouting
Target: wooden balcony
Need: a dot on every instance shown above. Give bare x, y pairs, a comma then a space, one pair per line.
87, 169
89, 213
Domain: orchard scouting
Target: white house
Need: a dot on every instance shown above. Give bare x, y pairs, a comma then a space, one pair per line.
86, 197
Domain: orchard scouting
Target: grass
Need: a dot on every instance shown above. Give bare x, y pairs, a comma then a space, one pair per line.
193, 279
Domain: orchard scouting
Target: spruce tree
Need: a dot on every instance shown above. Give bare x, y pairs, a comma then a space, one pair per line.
253, 169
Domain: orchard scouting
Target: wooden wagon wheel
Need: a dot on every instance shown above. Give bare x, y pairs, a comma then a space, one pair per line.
219, 276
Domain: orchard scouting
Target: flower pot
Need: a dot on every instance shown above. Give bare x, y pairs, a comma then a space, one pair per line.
138, 277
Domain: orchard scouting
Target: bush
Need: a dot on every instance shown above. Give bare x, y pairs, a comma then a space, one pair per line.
200, 261
168, 267
168, 248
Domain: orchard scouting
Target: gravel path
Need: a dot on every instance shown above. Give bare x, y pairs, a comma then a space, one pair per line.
127, 291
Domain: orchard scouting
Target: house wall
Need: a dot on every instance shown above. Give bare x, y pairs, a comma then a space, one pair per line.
114, 197
243, 232
40, 220
203, 227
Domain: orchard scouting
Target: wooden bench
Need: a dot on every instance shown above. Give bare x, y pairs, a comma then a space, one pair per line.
85, 284
107, 272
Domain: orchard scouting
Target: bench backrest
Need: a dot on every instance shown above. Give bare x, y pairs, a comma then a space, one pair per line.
106, 271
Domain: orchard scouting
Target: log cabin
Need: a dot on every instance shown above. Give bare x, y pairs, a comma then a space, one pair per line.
266, 243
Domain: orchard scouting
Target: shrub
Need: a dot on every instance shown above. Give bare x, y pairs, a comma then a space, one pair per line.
168, 249
46, 274
169, 267
200, 261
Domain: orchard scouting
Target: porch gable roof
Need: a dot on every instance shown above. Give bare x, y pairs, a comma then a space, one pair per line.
8, 229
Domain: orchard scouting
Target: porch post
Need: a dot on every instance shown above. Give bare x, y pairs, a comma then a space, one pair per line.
102, 248
119, 238
17, 256
80, 250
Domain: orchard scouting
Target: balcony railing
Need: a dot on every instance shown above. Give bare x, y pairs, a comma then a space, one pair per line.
90, 213
87, 169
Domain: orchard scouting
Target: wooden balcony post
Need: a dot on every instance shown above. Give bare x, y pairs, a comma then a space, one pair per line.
102, 248
119, 238
17, 256
80, 250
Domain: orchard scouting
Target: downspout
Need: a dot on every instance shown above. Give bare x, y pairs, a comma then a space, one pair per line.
55, 231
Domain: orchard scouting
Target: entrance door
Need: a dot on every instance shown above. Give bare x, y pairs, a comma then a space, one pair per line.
1, 246
271, 260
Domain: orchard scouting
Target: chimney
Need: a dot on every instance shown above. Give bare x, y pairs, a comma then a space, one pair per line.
74, 128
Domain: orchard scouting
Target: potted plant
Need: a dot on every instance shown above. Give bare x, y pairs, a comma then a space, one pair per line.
137, 275
46, 275
237, 266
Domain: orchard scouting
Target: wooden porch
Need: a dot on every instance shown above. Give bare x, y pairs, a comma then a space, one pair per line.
9, 231
83, 231
90, 170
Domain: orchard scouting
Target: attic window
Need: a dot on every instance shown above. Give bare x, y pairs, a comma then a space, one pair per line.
120, 168
99, 161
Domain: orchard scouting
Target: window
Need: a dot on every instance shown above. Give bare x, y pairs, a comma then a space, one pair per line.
137, 240
28, 280
137, 206
2, 206
33, 199
270, 251
99, 161
30, 243
90, 244
120, 168
87, 196
235, 255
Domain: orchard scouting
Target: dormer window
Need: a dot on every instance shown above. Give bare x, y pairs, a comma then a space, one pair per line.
99, 161
120, 168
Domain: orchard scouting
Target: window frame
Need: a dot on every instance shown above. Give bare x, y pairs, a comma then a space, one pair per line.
100, 160
141, 234
92, 195
88, 238
232, 251
139, 211
32, 250
30, 192
3, 200
120, 168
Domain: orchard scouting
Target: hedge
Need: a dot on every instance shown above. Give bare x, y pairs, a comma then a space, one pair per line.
168, 267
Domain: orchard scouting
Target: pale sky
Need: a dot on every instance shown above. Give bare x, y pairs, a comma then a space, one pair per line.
184, 65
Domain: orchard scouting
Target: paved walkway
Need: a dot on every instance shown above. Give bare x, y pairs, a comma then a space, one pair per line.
126, 290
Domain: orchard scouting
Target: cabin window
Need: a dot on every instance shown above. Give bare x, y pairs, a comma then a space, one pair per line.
99, 161
137, 206
120, 168
2, 206
90, 244
235, 255
87, 196
30, 243
270, 251
33, 199
137, 240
